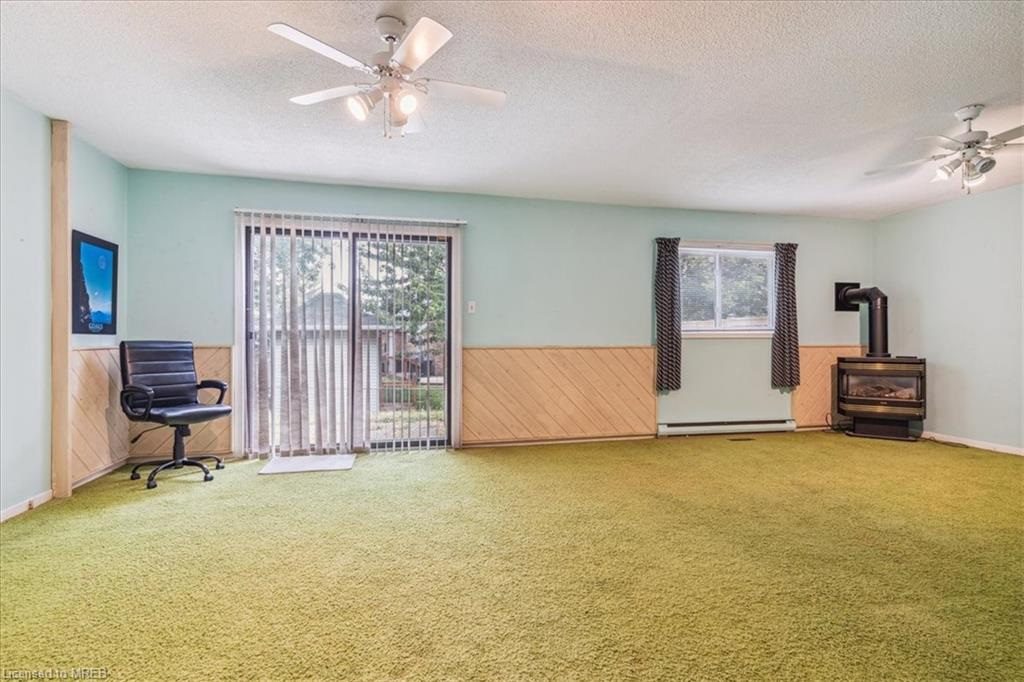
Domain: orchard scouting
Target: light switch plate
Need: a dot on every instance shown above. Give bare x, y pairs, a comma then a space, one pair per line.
471, 307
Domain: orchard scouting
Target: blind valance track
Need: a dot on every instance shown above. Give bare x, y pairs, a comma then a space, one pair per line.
353, 219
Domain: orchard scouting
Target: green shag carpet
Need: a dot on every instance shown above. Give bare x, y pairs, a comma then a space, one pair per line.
790, 556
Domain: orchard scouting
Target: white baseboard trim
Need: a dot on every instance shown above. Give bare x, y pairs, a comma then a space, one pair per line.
725, 427
22, 507
980, 444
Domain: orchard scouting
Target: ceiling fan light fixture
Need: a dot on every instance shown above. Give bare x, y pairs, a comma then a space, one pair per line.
984, 164
357, 107
407, 103
973, 179
360, 105
945, 172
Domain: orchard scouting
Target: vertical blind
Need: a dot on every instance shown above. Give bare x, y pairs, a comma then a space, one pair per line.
314, 386
299, 379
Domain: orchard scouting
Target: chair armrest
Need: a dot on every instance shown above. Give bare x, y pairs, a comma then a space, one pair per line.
215, 383
136, 389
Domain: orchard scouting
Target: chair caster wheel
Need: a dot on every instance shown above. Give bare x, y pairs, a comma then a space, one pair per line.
220, 465
135, 476
208, 477
150, 485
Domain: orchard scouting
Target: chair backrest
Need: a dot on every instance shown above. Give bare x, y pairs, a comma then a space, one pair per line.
168, 367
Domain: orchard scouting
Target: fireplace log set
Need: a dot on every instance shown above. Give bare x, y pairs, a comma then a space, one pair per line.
876, 396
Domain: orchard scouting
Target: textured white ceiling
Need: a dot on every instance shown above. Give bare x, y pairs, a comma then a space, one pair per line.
767, 107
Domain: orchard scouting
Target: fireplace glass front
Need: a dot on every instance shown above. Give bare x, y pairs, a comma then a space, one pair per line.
878, 386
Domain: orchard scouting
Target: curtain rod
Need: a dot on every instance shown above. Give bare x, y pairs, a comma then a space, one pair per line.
355, 218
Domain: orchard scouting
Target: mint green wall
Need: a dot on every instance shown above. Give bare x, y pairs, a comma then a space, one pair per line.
99, 206
541, 272
954, 278
24, 301
726, 380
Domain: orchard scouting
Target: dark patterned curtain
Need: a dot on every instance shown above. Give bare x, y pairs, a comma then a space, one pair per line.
668, 324
786, 340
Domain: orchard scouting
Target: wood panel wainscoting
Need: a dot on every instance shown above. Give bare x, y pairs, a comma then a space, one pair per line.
101, 434
99, 430
812, 399
515, 395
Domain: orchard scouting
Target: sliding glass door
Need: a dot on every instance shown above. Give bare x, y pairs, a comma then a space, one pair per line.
404, 297
348, 336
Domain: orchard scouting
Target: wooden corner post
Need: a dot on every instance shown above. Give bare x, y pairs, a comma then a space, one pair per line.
60, 308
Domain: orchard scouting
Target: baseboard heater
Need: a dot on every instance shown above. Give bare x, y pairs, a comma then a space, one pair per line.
698, 428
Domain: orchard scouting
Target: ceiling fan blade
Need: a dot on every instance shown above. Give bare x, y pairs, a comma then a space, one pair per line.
906, 164
420, 44
324, 95
415, 124
467, 93
320, 47
1007, 135
945, 142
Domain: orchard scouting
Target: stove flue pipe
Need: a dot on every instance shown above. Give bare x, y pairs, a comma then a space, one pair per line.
878, 317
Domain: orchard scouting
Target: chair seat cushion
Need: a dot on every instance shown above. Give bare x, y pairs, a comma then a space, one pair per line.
188, 414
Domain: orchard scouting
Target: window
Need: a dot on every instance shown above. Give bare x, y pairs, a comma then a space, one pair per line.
726, 290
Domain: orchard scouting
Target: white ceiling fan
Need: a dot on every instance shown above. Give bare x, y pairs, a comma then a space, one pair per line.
974, 151
392, 72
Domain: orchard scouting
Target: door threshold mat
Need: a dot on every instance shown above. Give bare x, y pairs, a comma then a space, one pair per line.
300, 463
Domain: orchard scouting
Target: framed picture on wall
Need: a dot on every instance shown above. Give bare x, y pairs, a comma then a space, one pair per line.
93, 285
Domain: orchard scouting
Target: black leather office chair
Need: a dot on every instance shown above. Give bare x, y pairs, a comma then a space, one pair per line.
159, 385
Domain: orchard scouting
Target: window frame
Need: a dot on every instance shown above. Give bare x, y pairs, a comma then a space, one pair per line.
766, 251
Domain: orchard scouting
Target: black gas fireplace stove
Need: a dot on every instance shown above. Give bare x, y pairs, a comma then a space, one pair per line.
876, 396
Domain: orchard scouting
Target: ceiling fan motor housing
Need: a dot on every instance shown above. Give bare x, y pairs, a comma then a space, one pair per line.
973, 136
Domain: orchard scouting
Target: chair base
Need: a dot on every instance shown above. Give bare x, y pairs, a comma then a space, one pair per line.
178, 461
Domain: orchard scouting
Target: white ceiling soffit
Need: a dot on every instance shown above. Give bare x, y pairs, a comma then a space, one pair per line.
765, 107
